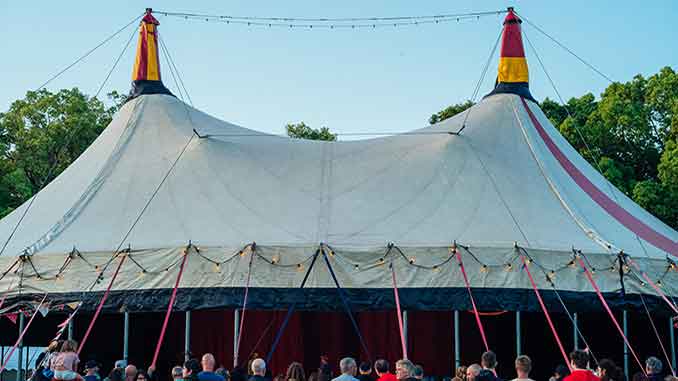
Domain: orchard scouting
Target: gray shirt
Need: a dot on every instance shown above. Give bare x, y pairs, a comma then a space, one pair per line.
345, 377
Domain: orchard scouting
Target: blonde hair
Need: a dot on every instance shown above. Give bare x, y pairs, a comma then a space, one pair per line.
524, 364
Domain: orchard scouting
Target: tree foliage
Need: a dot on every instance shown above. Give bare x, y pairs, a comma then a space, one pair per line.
449, 112
41, 135
302, 131
630, 134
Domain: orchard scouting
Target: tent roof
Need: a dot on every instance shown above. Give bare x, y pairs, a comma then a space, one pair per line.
495, 184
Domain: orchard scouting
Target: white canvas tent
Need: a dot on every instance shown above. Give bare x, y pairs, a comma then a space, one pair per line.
508, 180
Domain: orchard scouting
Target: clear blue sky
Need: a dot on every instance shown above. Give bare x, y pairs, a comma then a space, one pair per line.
389, 79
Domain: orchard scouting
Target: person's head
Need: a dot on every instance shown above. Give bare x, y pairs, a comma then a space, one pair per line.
53, 346
69, 346
561, 372
404, 369
313, 376
460, 372
472, 372
91, 367
579, 359
295, 372
130, 372
258, 367
177, 373
142, 376
239, 374
365, 368
121, 364
208, 362
381, 366
191, 369
348, 366
117, 374
653, 365
418, 372
223, 372
488, 360
523, 366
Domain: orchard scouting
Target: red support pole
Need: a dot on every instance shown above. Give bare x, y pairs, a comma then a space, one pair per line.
473, 302
169, 309
21, 335
101, 303
546, 314
654, 285
609, 312
400, 314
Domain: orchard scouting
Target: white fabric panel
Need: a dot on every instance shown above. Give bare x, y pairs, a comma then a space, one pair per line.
494, 185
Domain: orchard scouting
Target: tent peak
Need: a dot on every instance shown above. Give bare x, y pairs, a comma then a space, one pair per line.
146, 73
512, 74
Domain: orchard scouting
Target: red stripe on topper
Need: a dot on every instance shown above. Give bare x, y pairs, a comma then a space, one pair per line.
512, 40
615, 210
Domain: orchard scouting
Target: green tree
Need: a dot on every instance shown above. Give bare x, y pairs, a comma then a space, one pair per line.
449, 112
302, 131
43, 134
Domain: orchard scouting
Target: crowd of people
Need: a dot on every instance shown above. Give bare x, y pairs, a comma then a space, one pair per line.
60, 362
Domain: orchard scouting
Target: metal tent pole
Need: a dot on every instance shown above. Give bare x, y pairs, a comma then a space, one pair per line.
21, 347
519, 349
236, 330
457, 344
405, 328
70, 329
626, 348
574, 330
187, 336
125, 337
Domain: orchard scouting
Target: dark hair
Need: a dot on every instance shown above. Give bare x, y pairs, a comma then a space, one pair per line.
365, 366
193, 365
223, 372
116, 375
142, 373
612, 371
238, 374
295, 372
562, 370
313, 376
488, 360
381, 366
579, 358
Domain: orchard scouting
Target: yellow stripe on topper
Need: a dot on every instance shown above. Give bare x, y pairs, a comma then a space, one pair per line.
513, 69
137, 57
153, 69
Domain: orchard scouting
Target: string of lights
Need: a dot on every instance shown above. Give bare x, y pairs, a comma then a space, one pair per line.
332, 23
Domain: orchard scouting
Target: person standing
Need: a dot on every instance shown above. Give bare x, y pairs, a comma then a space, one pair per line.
347, 367
208, 364
523, 368
579, 362
258, 368
365, 372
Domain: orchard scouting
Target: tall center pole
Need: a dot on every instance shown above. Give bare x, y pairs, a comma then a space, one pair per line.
236, 332
457, 343
574, 331
125, 337
519, 349
187, 336
21, 347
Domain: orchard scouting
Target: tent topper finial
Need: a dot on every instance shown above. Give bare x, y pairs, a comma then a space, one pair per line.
146, 74
512, 74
